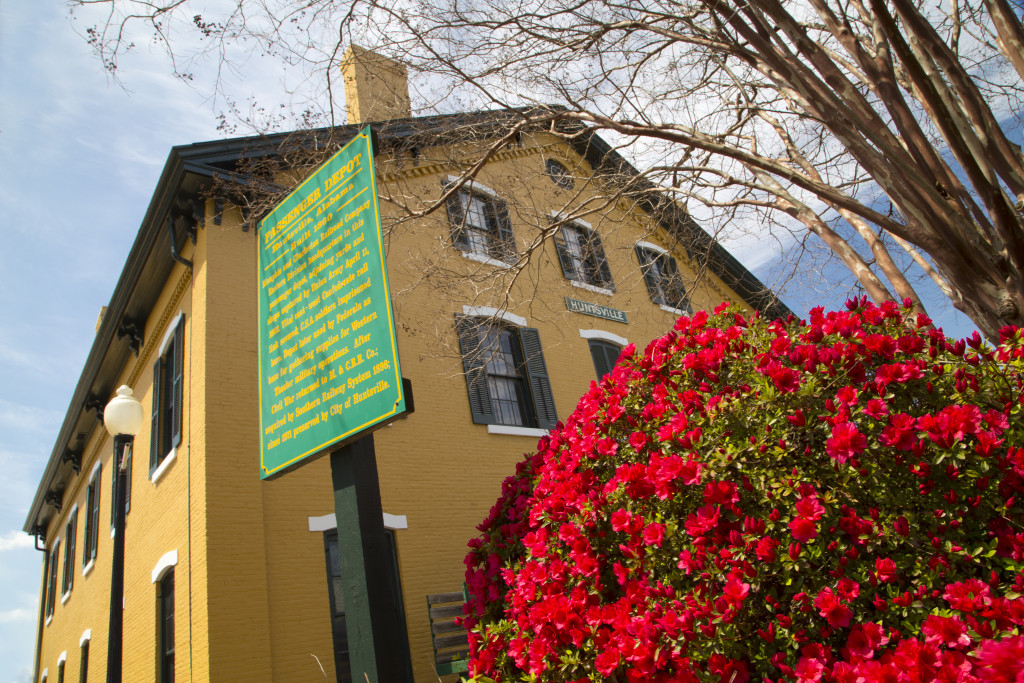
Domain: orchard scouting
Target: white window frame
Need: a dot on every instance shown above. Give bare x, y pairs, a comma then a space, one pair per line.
604, 336
167, 562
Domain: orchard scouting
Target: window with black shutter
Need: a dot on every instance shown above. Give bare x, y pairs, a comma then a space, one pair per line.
481, 225
51, 581
604, 354
506, 376
664, 282
70, 531
92, 519
581, 256
166, 417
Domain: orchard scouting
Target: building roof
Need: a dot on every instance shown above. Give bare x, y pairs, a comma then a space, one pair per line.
174, 212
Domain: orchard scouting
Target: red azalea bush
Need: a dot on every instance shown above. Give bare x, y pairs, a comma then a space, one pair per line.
832, 501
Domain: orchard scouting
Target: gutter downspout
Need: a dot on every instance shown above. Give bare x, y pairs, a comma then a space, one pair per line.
174, 247
42, 612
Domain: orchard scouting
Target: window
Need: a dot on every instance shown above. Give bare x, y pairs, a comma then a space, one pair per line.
92, 518
165, 431
69, 553
165, 640
559, 174
604, 354
51, 581
582, 256
505, 374
480, 225
83, 676
60, 670
664, 283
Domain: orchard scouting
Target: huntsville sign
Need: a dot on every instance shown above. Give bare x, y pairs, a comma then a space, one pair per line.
328, 357
596, 310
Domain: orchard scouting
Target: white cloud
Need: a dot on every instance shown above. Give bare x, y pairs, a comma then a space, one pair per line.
18, 614
28, 418
14, 540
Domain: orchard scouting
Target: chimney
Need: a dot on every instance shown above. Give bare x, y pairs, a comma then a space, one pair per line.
376, 88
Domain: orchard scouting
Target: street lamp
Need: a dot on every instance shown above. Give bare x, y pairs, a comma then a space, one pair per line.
123, 419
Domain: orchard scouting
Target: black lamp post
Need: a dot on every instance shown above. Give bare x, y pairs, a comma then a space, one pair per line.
123, 419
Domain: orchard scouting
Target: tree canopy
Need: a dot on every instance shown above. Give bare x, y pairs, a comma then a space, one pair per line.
884, 128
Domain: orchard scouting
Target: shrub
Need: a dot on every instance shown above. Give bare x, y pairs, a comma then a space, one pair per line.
838, 500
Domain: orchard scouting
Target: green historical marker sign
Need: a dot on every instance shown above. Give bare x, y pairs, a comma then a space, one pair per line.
328, 355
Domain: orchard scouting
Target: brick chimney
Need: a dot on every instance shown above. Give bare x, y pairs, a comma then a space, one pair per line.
376, 88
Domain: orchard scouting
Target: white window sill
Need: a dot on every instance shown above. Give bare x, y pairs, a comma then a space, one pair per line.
64, 598
49, 618
516, 431
162, 467
673, 311
592, 288
87, 569
482, 258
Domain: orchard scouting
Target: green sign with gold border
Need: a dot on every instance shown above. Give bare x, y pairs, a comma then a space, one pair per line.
328, 355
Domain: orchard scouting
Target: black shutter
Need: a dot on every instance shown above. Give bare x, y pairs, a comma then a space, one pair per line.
604, 272
650, 278
563, 254
154, 433
604, 355
475, 367
506, 239
177, 374
537, 378
674, 287
457, 218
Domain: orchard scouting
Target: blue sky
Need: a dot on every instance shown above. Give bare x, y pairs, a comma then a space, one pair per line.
81, 157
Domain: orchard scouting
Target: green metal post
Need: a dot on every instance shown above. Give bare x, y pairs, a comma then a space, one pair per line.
362, 549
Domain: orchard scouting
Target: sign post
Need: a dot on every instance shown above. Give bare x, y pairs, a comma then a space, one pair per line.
329, 374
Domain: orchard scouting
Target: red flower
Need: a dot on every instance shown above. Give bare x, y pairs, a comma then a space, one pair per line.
835, 612
654, 534
735, 590
876, 408
803, 529
705, 519
948, 631
809, 508
901, 526
846, 442
765, 549
1002, 661
607, 661
885, 569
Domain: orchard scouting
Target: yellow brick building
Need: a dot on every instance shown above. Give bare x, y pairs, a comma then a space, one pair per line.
227, 577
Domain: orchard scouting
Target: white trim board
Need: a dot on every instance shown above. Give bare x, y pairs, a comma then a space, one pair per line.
328, 522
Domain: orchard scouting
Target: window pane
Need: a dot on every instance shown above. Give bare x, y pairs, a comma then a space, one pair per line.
504, 379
